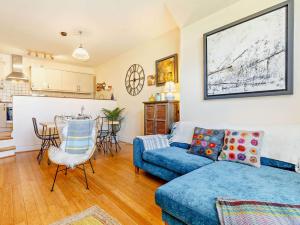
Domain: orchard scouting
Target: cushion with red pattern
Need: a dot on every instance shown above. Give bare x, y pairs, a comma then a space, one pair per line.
242, 146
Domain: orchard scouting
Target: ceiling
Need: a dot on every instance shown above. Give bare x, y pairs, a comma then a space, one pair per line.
110, 27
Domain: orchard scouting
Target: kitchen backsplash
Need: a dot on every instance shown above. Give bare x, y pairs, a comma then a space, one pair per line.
13, 87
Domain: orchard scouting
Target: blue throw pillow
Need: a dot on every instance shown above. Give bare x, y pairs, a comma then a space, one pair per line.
207, 142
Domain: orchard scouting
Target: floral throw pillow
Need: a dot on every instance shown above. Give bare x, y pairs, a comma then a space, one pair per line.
242, 146
207, 142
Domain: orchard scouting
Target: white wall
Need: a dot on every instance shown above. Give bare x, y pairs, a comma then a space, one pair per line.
114, 71
258, 110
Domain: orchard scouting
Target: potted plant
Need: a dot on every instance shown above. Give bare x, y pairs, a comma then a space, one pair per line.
113, 115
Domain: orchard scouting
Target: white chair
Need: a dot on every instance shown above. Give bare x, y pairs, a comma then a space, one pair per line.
62, 157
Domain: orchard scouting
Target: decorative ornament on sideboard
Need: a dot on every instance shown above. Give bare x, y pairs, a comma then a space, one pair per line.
135, 79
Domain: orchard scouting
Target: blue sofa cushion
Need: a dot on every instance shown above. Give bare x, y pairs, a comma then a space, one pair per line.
191, 198
175, 159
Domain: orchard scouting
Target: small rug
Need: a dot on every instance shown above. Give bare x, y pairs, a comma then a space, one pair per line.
90, 216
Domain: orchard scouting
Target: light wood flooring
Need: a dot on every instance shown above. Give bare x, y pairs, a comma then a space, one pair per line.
25, 196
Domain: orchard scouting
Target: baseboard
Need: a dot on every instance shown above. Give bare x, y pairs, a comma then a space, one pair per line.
125, 139
27, 148
7, 153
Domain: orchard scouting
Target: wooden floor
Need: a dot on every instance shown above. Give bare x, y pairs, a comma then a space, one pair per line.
25, 196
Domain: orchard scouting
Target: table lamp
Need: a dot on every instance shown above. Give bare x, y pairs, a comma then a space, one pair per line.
170, 88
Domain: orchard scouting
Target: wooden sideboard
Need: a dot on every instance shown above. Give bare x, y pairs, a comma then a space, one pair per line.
159, 116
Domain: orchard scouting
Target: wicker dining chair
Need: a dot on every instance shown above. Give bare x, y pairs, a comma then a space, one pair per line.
77, 145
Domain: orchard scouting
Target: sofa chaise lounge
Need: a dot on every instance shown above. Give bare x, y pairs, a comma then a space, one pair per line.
196, 182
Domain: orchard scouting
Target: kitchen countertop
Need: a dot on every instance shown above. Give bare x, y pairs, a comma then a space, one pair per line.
45, 96
5, 101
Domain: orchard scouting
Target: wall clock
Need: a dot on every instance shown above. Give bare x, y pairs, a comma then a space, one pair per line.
135, 78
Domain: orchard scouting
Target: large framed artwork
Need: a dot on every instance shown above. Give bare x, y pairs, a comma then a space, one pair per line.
252, 56
166, 70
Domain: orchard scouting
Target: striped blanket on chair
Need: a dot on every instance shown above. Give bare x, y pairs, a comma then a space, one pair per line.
245, 212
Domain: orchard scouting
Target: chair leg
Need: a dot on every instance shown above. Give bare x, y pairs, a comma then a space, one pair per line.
41, 153
87, 186
55, 178
66, 171
92, 166
136, 169
40, 156
116, 143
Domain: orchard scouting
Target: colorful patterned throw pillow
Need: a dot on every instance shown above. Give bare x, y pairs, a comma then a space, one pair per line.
242, 146
207, 142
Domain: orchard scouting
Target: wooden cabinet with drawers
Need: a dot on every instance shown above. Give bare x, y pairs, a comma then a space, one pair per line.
159, 116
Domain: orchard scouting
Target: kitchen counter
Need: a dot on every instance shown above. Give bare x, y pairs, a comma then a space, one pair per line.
44, 109
5, 101
45, 96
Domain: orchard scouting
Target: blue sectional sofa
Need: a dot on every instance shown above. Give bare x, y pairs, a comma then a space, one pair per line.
196, 182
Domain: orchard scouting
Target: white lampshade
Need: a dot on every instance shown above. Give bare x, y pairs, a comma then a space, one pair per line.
170, 87
81, 53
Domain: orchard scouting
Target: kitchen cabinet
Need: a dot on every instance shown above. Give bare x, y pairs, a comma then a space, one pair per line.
86, 83
2, 115
69, 81
53, 79
38, 79
46, 79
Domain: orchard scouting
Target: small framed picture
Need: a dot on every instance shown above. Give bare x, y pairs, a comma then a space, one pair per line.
166, 70
150, 80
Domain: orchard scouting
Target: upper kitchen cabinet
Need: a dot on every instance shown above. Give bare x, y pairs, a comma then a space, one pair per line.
54, 79
46, 79
86, 83
77, 82
61, 81
38, 78
69, 81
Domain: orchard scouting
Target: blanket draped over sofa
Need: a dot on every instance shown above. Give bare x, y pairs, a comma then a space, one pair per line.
232, 212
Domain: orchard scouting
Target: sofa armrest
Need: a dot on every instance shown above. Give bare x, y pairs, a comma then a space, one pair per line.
138, 149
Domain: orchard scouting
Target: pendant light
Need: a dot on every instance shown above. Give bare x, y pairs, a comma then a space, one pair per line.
81, 53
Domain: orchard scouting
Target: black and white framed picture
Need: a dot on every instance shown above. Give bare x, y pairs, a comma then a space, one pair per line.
252, 56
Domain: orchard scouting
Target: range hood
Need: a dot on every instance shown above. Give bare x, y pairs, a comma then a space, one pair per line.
17, 69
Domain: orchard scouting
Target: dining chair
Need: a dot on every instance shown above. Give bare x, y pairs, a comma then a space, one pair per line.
46, 138
103, 134
78, 143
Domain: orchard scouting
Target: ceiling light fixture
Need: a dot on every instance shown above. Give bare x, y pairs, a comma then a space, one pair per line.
81, 53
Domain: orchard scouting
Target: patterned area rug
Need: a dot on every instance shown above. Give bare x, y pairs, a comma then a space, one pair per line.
90, 216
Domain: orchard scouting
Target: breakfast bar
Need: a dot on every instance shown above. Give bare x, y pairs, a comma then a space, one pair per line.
44, 109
